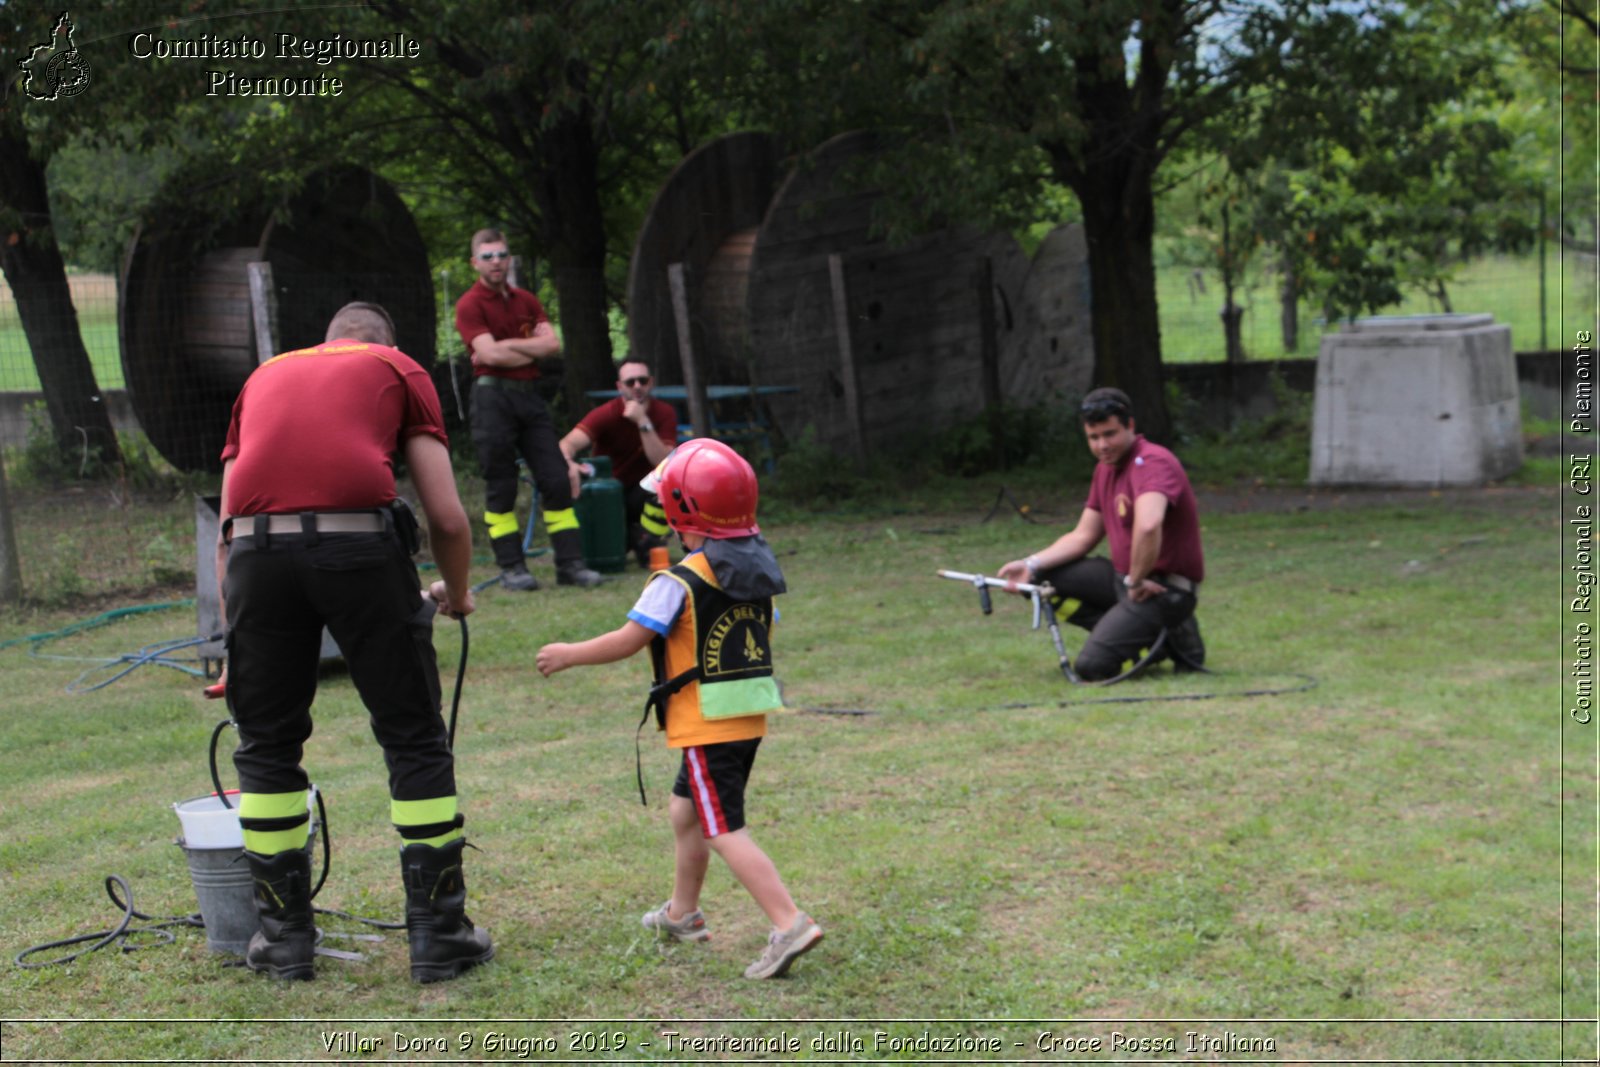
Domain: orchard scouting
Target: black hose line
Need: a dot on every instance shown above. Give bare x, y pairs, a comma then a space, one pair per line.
124, 930
119, 933
1302, 683
461, 674
216, 779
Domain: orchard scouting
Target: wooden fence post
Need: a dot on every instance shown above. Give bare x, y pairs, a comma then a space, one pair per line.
10, 562
263, 310
847, 356
693, 386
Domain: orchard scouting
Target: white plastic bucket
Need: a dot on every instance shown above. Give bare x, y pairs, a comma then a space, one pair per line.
207, 823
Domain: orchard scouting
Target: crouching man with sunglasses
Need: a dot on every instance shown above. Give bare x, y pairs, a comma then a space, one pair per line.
635, 431
1141, 502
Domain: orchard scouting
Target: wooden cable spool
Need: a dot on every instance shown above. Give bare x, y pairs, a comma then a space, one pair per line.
765, 264
706, 211
185, 312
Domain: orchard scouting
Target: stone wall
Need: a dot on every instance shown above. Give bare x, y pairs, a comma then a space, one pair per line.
1219, 394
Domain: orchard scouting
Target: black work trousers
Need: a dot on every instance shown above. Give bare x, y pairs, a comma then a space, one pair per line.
510, 419
1118, 627
364, 588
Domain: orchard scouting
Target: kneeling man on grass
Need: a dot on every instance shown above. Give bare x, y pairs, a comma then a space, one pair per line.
1141, 502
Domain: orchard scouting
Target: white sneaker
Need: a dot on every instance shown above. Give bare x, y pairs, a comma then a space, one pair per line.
692, 927
784, 947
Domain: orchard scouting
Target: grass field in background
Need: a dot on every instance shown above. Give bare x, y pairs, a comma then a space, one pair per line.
1359, 866
1505, 286
95, 298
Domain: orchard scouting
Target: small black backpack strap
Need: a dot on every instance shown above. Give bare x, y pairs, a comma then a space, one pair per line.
657, 702
664, 687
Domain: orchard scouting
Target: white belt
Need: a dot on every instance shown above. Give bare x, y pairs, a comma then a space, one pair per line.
321, 522
1175, 581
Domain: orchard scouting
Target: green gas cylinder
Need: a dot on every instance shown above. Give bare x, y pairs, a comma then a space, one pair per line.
603, 519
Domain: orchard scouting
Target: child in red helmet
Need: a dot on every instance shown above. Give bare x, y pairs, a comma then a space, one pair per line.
707, 621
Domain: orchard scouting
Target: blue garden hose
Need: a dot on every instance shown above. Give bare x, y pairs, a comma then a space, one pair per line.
158, 653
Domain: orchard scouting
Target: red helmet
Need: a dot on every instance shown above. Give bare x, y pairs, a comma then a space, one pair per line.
707, 488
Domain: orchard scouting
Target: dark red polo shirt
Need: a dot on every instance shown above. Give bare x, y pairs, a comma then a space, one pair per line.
612, 435
317, 429
513, 314
1149, 468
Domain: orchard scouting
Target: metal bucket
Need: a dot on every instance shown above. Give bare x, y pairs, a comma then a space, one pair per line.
227, 896
213, 845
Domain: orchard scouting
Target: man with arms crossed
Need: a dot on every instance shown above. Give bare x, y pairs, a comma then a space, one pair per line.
508, 334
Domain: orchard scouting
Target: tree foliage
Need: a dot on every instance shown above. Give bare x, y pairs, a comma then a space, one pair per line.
997, 101
556, 124
1364, 144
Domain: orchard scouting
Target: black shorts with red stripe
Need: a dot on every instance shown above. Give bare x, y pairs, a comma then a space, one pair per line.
713, 777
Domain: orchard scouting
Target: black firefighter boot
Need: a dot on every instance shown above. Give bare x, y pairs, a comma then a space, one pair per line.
570, 568
1188, 650
286, 942
511, 559
443, 940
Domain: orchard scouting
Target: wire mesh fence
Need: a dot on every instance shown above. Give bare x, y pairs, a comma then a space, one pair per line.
112, 539
179, 390
171, 363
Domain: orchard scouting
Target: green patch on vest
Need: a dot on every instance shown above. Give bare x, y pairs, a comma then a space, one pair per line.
743, 696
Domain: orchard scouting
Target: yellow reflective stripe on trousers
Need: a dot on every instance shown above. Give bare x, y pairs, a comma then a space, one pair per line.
499, 523
653, 519
429, 812
556, 521
274, 806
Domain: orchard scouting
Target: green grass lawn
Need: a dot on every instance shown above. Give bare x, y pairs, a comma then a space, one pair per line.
1354, 868
94, 296
1505, 286
95, 299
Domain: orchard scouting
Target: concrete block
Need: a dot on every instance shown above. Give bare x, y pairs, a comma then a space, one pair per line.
1416, 401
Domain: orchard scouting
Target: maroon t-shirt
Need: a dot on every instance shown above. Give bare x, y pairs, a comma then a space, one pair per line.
502, 316
1149, 468
616, 437
317, 429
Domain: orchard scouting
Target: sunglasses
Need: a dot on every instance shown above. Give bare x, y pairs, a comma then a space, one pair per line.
1101, 410
645, 380
488, 256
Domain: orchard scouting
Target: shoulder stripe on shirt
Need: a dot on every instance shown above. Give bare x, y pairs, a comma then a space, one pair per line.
340, 350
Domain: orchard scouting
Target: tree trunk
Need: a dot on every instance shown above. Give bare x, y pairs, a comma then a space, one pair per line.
989, 362
575, 247
1289, 308
1119, 226
1441, 294
33, 268
1232, 316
